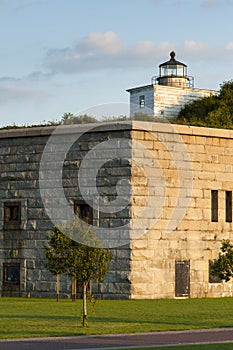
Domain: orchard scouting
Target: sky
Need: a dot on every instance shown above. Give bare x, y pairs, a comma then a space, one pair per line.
67, 56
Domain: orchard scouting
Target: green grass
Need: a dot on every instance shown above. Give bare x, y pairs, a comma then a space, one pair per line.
220, 346
21, 317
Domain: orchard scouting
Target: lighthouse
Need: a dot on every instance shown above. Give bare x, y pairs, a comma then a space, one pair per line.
168, 92
173, 73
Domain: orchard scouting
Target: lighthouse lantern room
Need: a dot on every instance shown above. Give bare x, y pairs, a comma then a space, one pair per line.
173, 73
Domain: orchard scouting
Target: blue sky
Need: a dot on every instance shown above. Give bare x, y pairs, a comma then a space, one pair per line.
61, 56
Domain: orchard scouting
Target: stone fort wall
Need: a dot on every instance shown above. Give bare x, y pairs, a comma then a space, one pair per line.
176, 172
168, 264
21, 243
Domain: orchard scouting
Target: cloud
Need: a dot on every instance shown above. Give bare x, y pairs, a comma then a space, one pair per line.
26, 4
92, 52
147, 47
170, 2
209, 3
9, 94
195, 48
33, 77
6, 79
229, 46
20, 89
106, 51
215, 3
38, 76
100, 51
195, 51
108, 42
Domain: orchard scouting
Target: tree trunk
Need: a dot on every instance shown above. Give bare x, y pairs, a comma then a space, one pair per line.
73, 292
58, 286
90, 288
85, 322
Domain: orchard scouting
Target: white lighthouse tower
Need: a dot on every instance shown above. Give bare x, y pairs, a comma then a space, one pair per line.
167, 93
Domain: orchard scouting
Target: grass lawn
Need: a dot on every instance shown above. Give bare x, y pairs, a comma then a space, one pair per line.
225, 346
21, 317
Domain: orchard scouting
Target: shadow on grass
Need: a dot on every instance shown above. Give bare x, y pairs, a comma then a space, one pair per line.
54, 317
172, 321
40, 334
98, 320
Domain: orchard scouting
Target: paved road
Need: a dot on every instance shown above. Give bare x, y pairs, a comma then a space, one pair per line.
114, 341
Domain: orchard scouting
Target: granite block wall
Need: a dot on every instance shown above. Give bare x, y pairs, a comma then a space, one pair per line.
21, 244
172, 172
195, 240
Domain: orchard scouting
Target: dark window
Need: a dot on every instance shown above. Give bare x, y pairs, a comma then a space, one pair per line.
12, 214
11, 273
142, 101
84, 211
182, 278
214, 205
212, 277
228, 206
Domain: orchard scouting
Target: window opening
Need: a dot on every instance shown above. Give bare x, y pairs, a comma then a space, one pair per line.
83, 211
228, 206
142, 101
12, 214
212, 277
214, 205
11, 273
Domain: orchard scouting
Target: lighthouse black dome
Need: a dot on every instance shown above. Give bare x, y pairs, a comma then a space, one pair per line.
172, 61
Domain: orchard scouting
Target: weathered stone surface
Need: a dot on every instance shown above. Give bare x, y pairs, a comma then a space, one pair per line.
21, 153
195, 239
145, 268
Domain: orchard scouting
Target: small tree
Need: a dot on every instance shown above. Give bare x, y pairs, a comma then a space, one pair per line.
86, 261
55, 254
223, 266
83, 262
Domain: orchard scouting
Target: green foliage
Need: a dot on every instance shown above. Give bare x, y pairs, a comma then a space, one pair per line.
69, 118
66, 255
137, 116
40, 125
79, 231
215, 111
144, 117
223, 266
56, 252
83, 262
120, 118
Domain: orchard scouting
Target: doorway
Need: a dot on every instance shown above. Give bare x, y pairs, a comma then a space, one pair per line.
182, 278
